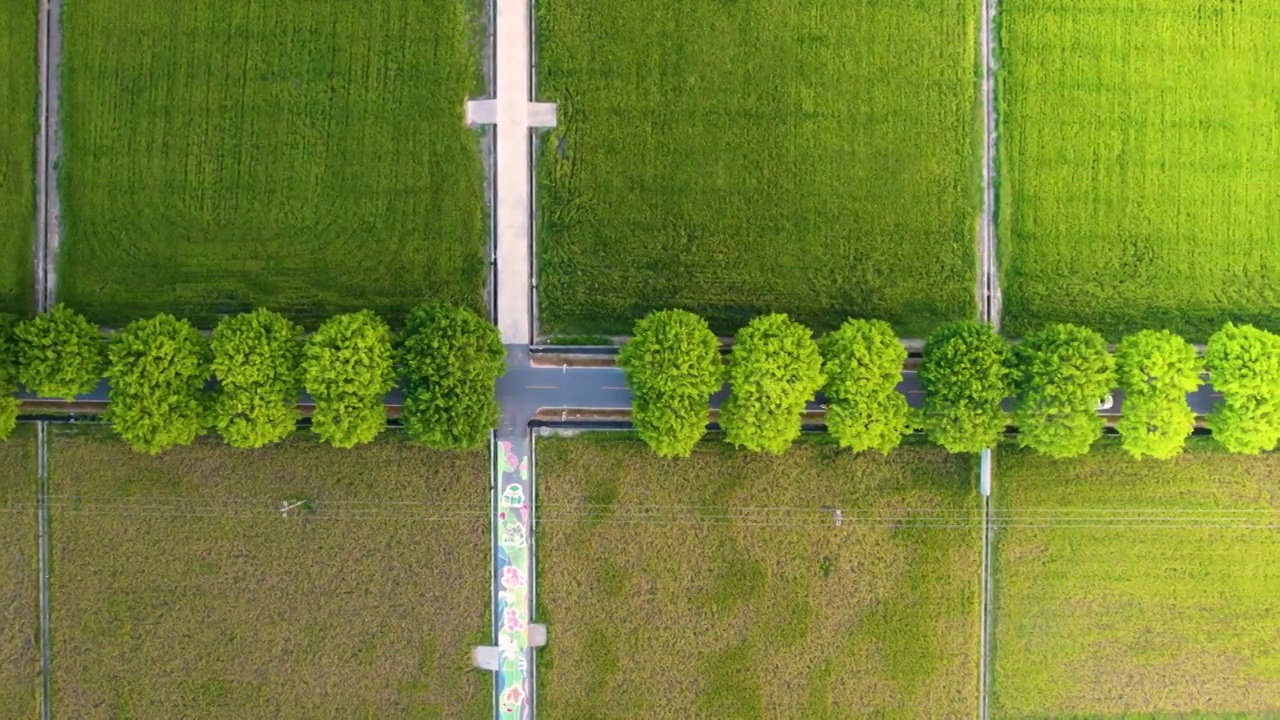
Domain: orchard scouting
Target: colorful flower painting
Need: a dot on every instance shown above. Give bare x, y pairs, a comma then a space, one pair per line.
512, 601
512, 577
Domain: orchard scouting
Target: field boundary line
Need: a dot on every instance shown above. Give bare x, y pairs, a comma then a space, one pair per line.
495, 489
993, 53
488, 152
535, 141
42, 520
988, 281
42, 157
48, 153
533, 568
989, 310
985, 613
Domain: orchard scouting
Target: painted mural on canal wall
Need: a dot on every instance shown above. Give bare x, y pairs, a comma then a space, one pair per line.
513, 606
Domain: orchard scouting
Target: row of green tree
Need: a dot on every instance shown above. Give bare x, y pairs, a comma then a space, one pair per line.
160, 371
1056, 378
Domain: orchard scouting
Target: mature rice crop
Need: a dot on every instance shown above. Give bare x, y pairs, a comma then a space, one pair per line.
1140, 163
309, 156
1127, 588
181, 589
733, 158
721, 586
17, 151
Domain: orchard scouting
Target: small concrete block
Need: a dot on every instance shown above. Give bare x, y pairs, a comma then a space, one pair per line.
537, 635
482, 112
486, 657
542, 115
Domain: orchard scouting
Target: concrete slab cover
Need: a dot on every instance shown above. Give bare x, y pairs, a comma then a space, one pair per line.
537, 635
542, 115
481, 112
486, 657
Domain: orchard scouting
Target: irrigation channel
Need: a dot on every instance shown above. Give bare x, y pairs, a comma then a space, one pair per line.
989, 307
47, 231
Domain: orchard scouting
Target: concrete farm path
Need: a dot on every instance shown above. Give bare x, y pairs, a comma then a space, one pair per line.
514, 116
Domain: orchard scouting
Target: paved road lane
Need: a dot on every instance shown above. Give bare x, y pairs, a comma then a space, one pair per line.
525, 389
583, 388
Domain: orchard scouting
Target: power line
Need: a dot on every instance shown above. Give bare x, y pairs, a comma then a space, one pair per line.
1149, 518
626, 507
179, 498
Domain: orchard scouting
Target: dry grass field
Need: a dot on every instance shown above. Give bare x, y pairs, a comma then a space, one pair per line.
19, 620
1130, 588
720, 586
180, 590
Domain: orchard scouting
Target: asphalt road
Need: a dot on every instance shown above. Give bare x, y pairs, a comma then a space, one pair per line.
526, 389
99, 395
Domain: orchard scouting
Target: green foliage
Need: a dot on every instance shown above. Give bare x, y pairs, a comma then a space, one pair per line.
965, 375
863, 364
158, 368
348, 368
257, 360
1244, 365
1060, 375
8, 374
451, 359
775, 368
1156, 369
60, 353
673, 366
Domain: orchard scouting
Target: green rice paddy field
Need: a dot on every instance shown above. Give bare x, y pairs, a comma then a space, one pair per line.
17, 151
179, 589
1140, 161
720, 586
306, 155
736, 158
1099, 613
19, 621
